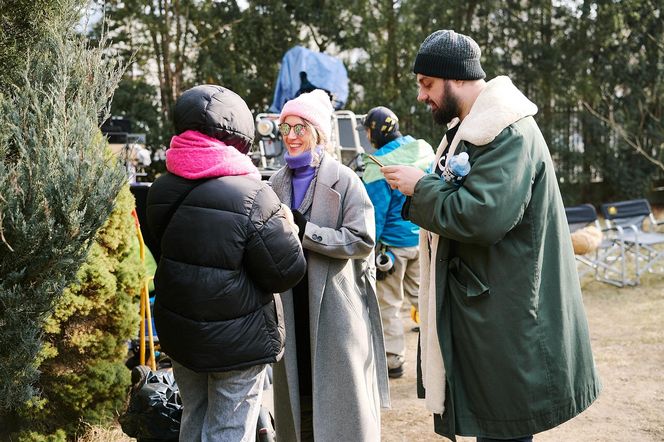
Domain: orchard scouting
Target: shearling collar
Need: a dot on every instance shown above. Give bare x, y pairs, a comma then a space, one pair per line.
499, 105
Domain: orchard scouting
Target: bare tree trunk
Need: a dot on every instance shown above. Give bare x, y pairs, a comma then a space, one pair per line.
166, 55
391, 49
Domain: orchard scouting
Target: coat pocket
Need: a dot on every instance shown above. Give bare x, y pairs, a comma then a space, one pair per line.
463, 281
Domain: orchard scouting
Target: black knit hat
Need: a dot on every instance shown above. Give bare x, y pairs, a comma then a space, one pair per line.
383, 125
446, 54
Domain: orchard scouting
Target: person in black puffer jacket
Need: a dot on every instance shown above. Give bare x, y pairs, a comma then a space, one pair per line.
227, 246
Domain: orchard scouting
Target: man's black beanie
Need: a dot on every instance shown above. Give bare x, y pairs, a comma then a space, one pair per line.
446, 54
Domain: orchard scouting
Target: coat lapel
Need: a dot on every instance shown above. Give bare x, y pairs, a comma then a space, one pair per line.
327, 202
281, 184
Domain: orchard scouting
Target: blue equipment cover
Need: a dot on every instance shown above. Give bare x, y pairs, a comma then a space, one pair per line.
322, 72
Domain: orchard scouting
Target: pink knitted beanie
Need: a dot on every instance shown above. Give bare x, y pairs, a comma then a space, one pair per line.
315, 107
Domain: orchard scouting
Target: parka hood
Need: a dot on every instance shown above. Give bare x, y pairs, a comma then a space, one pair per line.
217, 112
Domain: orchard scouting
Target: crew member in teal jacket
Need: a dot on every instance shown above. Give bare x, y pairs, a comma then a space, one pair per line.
397, 254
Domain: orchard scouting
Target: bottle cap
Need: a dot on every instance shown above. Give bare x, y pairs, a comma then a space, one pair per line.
462, 158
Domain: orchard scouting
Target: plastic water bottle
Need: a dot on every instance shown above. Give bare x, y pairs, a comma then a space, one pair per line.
459, 168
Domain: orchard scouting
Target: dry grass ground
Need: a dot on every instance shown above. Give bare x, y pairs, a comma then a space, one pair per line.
627, 333
104, 434
626, 326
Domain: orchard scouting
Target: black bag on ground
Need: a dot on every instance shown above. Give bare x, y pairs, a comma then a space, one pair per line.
155, 407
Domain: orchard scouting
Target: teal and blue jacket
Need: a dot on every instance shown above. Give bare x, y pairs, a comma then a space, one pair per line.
391, 228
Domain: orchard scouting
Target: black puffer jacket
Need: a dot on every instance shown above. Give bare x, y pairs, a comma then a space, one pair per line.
225, 251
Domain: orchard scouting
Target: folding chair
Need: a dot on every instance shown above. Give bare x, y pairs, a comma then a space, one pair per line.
629, 216
608, 261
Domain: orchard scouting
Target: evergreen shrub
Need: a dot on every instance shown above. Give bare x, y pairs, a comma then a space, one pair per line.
57, 188
83, 377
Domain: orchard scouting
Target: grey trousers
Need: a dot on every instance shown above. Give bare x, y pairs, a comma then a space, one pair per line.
403, 283
220, 407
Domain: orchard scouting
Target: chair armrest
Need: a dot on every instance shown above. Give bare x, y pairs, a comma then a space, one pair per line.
636, 232
614, 229
654, 223
621, 232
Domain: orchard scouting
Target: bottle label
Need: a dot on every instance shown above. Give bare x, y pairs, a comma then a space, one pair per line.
450, 177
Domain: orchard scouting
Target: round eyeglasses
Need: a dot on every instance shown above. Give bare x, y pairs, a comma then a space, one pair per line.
299, 129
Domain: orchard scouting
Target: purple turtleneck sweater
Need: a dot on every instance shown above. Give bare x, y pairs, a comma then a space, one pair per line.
303, 173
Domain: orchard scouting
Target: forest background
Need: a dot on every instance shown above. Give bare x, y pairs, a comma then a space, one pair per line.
594, 68
69, 275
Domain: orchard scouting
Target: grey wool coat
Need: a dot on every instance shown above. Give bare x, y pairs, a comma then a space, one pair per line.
349, 371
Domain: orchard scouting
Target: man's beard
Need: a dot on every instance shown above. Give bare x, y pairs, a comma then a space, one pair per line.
449, 107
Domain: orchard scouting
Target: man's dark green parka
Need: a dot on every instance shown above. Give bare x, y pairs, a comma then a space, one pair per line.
500, 298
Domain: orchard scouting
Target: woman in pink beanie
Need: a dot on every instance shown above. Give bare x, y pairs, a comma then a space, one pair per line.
226, 247
332, 380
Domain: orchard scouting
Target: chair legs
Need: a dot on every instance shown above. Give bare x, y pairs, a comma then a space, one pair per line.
612, 265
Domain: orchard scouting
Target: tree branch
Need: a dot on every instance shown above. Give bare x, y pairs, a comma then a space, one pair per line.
634, 143
320, 45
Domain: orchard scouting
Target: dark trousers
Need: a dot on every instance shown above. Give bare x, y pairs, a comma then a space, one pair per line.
518, 439
306, 419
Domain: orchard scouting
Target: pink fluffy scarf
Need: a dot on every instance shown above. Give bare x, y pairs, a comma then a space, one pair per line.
193, 155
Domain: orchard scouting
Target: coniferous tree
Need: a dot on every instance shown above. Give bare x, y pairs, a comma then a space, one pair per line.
57, 187
22, 24
83, 376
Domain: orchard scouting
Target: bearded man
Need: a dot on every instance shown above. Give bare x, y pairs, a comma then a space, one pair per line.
505, 348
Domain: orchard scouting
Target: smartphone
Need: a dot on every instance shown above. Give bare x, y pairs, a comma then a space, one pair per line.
375, 160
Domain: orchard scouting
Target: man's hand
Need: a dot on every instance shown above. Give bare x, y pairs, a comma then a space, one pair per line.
402, 178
